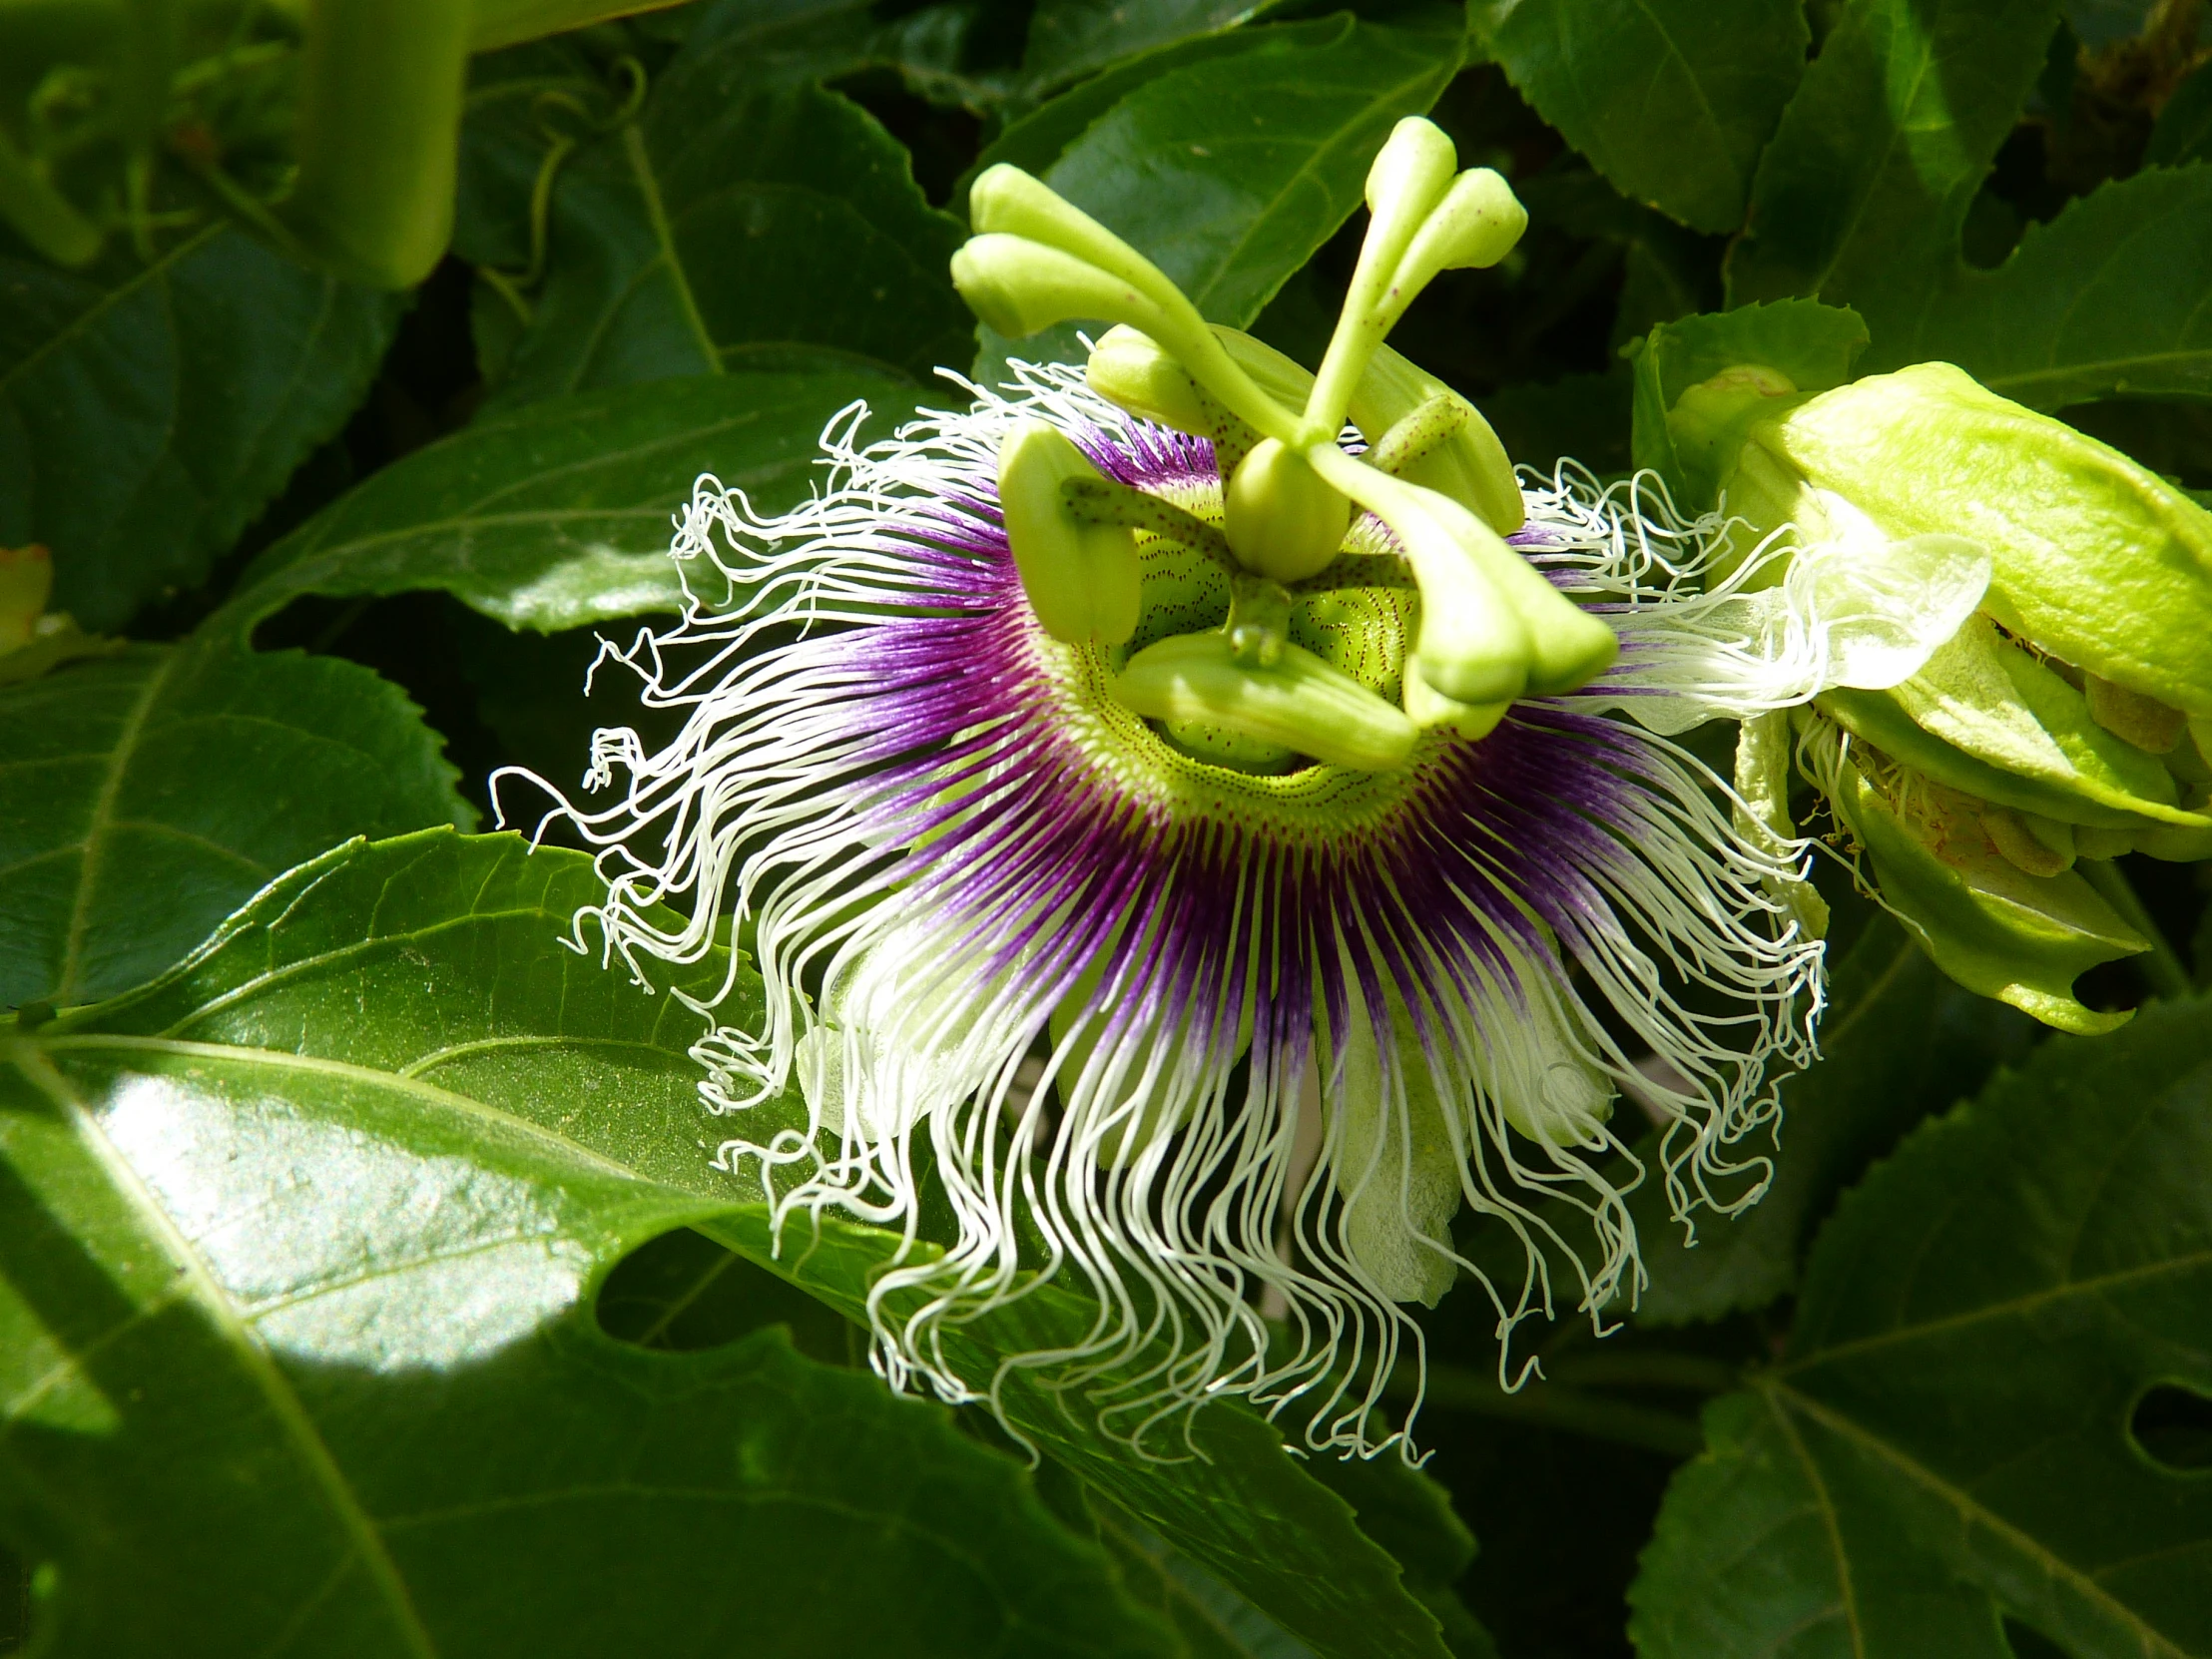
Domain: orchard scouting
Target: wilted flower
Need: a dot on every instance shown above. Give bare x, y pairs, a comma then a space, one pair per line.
1205, 890
2068, 719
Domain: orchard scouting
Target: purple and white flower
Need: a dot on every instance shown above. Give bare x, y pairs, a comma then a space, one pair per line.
1281, 1030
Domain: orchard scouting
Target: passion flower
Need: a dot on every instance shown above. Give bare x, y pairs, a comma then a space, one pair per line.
1210, 906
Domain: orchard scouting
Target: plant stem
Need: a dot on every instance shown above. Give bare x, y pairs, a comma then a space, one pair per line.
1549, 1405
2162, 967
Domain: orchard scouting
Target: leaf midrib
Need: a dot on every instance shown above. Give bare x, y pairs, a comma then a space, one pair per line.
208, 1294
345, 1071
1996, 1310
100, 823
82, 323
1970, 1509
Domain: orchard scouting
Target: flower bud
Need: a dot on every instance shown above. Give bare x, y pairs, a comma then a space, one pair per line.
2097, 560
1986, 922
2057, 713
1298, 702
1081, 578
1280, 517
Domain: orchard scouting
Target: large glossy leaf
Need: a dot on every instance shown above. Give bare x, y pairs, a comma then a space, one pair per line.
738, 222
1862, 199
1899, 1041
1672, 99
557, 514
297, 1356
2109, 298
1950, 1433
149, 411
1867, 183
1069, 39
435, 957
1229, 169
143, 797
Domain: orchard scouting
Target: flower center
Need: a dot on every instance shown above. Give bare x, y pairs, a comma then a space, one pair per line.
1438, 628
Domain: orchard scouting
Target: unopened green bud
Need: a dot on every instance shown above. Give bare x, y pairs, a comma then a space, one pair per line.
1470, 465
1709, 422
2097, 560
1300, 702
1993, 926
1281, 518
1081, 577
1019, 286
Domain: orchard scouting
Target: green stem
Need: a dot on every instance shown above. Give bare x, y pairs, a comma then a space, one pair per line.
2162, 967
1548, 1405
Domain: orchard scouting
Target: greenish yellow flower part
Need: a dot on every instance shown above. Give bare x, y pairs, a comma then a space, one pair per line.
1489, 627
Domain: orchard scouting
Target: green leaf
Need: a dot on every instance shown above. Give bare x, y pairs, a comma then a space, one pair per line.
1899, 1041
146, 796
1672, 99
1229, 170
1863, 200
1212, 1620
556, 514
929, 47
1863, 195
1814, 345
2184, 130
736, 223
299, 1354
435, 957
1410, 1516
149, 411
1948, 1433
1069, 39
2108, 298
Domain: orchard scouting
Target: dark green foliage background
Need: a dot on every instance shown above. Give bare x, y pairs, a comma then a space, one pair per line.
365, 1287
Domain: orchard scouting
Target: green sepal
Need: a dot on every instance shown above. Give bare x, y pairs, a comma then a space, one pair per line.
1300, 702
2022, 940
1986, 717
2095, 559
